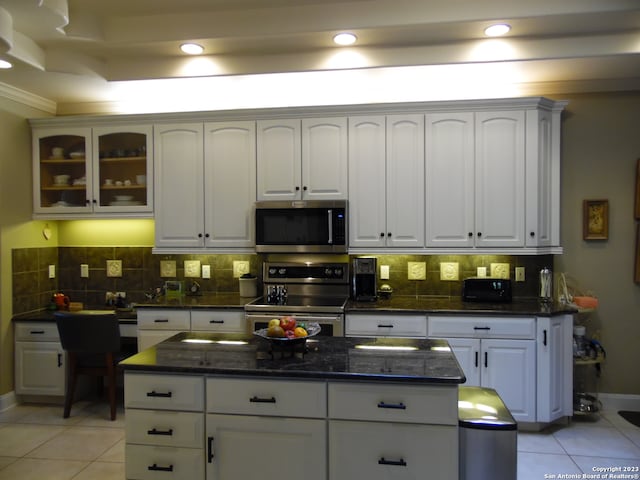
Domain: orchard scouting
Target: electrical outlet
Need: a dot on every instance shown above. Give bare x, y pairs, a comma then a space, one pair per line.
240, 267
500, 270
416, 270
52, 271
519, 274
206, 271
481, 272
84, 270
449, 271
121, 294
384, 272
114, 268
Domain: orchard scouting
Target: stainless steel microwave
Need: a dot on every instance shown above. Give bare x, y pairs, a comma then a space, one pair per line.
311, 226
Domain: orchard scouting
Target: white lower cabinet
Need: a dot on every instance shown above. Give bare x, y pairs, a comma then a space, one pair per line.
526, 360
385, 325
40, 362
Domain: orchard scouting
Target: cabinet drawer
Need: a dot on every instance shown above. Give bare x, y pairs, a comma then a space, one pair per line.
36, 332
386, 325
144, 462
218, 321
165, 428
394, 403
164, 392
385, 451
267, 397
482, 327
164, 319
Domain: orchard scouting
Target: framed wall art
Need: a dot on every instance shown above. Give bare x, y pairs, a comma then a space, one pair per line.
595, 220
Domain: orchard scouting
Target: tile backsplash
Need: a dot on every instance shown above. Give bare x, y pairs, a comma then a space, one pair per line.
141, 272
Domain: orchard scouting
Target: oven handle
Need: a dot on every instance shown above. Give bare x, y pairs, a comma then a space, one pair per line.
330, 219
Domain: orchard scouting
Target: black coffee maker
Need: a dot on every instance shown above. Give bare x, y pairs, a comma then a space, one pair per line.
364, 279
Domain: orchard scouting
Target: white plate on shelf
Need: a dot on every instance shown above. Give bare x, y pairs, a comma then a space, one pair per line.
125, 203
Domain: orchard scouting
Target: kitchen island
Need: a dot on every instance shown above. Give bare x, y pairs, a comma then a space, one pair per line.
227, 406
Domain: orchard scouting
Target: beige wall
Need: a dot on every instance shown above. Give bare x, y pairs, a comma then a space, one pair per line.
16, 226
601, 144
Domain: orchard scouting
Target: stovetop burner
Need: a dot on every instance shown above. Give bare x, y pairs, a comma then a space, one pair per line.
300, 303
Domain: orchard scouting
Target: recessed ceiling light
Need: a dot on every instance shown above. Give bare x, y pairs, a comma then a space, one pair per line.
345, 39
192, 48
4, 64
497, 30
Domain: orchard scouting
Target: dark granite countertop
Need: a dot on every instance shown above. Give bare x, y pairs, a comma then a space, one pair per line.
207, 300
125, 315
445, 305
327, 358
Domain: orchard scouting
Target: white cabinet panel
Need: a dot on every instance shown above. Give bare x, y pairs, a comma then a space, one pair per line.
218, 321
279, 154
385, 325
164, 392
164, 428
147, 462
40, 368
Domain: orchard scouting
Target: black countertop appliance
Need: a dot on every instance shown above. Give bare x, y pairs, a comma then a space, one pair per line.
364, 279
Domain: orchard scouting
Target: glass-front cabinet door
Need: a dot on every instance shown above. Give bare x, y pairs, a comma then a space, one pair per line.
61, 170
101, 171
123, 177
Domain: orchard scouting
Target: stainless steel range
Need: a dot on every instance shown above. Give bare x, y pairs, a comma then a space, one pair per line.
311, 292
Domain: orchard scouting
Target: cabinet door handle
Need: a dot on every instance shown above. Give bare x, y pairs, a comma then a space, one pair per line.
479, 234
161, 320
532, 234
482, 328
297, 188
216, 321
544, 341
156, 468
256, 399
486, 359
153, 393
476, 359
210, 453
384, 326
154, 431
397, 406
59, 360
395, 463
36, 332
382, 234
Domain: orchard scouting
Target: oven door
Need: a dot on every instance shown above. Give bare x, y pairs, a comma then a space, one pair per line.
331, 325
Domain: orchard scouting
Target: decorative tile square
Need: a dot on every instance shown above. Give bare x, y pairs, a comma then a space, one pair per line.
416, 270
449, 271
192, 268
167, 268
500, 270
114, 268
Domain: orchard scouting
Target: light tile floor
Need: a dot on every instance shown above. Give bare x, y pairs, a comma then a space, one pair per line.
37, 443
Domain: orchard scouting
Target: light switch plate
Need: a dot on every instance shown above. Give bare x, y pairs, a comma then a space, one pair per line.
481, 272
384, 272
416, 270
167, 268
192, 268
52, 271
206, 271
519, 274
114, 268
500, 270
240, 267
84, 270
449, 271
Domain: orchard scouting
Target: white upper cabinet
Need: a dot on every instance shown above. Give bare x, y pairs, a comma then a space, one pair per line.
450, 179
230, 183
83, 172
179, 185
386, 181
302, 159
500, 178
205, 185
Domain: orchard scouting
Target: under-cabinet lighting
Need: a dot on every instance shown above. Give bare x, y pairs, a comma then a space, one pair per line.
441, 349
196, 340
386, 347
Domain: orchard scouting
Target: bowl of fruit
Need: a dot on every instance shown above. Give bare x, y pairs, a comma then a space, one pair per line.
287, 331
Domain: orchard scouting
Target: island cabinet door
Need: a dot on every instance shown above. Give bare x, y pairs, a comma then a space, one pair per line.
268, 448
385, 451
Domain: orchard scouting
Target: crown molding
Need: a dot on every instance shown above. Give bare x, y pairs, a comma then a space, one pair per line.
29, 99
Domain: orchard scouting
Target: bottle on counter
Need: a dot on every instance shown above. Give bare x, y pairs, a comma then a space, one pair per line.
546, 280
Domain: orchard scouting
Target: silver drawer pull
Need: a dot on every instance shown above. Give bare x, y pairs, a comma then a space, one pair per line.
153, 393
156, 468
255, 399
397, 406
395, 463
154, 431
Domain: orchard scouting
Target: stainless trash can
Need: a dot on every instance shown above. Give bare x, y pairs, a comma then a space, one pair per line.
488, 436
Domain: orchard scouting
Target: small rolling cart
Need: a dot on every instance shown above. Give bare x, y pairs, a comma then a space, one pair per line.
588, 356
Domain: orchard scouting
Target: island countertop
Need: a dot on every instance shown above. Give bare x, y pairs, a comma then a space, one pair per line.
325, 358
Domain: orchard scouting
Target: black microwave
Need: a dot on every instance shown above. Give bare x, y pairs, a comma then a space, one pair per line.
311, 226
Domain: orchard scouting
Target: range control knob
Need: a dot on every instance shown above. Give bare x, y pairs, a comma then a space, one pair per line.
328, 272
272, 271
338, 272
282, 271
